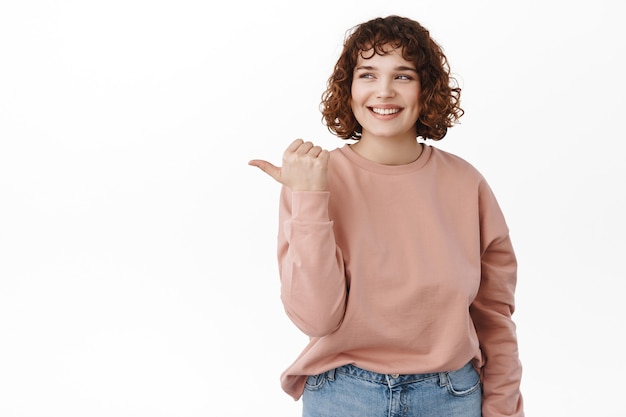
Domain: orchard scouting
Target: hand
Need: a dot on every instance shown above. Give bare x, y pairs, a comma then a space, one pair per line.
305, 167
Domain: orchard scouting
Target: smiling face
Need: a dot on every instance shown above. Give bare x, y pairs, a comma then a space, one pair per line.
385, 95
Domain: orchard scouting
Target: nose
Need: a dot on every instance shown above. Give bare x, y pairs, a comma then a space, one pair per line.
385, 88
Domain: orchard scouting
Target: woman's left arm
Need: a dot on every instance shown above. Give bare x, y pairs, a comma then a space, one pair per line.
492, 312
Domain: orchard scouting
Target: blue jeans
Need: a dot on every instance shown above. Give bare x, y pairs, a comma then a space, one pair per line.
349, 391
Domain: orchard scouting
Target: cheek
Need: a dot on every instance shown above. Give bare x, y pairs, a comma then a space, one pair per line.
357, 94
420, 101
353, 99
353, 96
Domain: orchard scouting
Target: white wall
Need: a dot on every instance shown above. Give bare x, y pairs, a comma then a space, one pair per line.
137, 248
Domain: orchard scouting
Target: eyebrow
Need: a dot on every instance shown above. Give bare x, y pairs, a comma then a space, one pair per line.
398, 68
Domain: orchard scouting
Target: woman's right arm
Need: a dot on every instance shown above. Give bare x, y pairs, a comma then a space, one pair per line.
313, 283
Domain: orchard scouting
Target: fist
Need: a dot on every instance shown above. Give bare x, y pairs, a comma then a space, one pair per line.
304, 168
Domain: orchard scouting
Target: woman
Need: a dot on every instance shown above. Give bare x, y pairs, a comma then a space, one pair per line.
394, 256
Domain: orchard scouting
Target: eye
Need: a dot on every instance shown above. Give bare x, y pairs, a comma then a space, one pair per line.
404, 77
366, 75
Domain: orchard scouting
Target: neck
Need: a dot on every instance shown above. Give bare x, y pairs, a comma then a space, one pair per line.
388, 151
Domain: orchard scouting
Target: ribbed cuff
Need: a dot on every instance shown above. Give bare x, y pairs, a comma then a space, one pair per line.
310, 205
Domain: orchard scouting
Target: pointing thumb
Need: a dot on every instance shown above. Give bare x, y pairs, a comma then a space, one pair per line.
270, 169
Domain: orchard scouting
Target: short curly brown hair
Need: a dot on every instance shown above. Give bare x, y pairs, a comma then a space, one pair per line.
440, 93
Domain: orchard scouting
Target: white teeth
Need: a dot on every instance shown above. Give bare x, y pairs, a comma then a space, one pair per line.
385, 111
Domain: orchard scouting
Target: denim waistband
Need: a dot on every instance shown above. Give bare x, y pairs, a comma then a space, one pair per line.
386, 379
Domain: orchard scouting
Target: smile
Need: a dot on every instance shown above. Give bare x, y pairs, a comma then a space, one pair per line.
384, 112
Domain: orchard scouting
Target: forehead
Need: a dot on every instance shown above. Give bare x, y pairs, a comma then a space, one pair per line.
387, 55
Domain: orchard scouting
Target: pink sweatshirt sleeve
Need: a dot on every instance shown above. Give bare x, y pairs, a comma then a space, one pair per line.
492, 312
313, 283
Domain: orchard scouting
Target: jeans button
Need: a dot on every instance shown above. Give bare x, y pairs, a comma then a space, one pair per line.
395, 375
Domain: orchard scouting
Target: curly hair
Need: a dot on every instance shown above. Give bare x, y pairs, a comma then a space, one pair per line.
440, 94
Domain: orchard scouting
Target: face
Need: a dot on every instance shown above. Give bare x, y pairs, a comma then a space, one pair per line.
385, 95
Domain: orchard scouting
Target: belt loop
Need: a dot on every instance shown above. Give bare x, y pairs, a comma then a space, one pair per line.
443, 379
331, 374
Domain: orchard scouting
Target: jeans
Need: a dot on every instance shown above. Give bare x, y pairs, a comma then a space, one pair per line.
349, 391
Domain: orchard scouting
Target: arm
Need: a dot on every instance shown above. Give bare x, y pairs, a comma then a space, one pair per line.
313, 284
492, 312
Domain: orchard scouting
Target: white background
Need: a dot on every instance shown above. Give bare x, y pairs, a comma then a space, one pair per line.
137, 248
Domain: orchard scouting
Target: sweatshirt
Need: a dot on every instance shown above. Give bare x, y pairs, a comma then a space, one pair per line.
401, 269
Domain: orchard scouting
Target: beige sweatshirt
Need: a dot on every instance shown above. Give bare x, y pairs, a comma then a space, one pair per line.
401, 269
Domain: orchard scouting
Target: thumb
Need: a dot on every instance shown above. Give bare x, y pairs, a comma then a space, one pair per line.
267, 167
